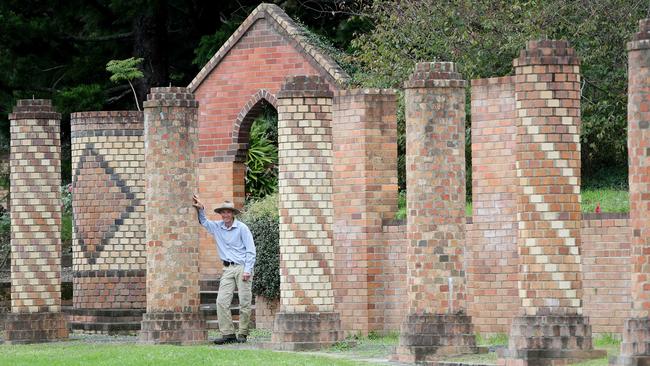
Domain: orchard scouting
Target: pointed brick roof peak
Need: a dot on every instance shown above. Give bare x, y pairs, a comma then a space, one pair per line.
294, 33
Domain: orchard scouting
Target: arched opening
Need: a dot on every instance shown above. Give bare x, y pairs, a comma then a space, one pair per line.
261, 162
256, 143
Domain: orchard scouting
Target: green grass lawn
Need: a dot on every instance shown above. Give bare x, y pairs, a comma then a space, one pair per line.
78, 353
610, 200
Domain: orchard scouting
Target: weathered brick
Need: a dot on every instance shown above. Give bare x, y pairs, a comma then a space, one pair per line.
171, 228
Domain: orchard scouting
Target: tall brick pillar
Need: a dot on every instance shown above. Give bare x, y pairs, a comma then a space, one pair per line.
635, 348
109, 252
550, 328
172, 234
307, 319
436, 324
35, 225
492, 259
364, 131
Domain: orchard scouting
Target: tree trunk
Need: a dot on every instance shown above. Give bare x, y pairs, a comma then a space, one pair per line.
150, 43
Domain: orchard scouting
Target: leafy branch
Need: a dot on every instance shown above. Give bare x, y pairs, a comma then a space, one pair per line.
126, 70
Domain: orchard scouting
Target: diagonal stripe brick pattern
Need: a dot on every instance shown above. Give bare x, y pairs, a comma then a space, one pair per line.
172, 315
35, 225
307, 319
635, 348
435, 176
109, 253
551, 328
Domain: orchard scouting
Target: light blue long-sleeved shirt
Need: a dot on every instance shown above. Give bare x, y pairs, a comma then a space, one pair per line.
235, 244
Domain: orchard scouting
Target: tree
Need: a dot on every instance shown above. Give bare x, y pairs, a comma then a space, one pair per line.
484, 36
126, 70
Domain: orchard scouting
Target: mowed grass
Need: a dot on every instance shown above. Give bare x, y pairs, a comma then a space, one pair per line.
609, 199
76, 353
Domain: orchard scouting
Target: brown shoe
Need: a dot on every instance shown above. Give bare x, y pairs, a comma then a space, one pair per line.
226, 339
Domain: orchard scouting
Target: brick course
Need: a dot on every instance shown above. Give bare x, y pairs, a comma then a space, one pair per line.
35, 224
172, 230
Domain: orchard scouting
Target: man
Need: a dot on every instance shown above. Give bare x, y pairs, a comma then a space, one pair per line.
237, 251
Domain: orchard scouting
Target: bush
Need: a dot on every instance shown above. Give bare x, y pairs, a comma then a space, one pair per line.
263, 219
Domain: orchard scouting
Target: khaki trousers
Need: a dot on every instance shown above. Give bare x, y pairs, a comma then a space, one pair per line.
231, 278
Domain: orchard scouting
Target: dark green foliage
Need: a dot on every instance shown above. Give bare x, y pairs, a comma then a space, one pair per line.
483, 37
210, 44
262, 159
262, 218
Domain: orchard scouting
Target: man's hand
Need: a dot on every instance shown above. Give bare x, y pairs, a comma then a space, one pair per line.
196, 203
246, 276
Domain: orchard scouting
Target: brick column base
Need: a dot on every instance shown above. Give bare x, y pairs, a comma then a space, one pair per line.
541, 340
105, 321
173, 328
23, 328
426, 338
635, 347
306, 331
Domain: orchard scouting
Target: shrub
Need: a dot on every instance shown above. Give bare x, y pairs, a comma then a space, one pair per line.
263, 219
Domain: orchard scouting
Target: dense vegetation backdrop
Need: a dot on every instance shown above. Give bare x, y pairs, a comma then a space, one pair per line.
59, 49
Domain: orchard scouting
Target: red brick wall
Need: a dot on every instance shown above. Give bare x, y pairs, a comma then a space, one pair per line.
639, 167
260, 61
605, 270
364, 139
605, 263
389, 297
492, 259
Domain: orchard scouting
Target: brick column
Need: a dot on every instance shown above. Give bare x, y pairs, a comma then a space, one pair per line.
172, 233
635, 348
436, 324
109, 252
364, 133
307, 319
550, 328
492, 259
35, 225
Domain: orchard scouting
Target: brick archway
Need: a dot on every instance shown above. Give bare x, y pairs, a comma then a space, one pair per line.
246, 72
244, 121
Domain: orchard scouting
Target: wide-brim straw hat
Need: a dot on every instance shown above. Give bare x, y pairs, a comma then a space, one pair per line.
227, 205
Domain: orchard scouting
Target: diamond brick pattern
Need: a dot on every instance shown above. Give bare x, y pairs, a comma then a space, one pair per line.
109, 254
